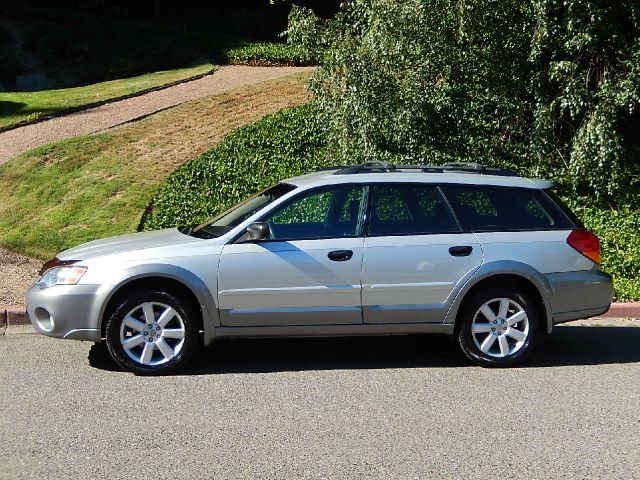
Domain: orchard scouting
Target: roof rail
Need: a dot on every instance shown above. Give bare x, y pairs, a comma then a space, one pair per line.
476, 168
385, 167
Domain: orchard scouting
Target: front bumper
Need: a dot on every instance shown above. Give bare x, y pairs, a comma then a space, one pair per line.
581, 294
65, 311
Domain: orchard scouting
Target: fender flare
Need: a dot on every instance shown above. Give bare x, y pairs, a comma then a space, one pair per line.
505, 267
210, 317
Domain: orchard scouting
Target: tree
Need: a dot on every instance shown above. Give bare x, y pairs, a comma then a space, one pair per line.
586, 81
545, 86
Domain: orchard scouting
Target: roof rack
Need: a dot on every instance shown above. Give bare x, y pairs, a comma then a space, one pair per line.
385, 167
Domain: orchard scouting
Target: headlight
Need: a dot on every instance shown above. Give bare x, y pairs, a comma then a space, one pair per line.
62, 276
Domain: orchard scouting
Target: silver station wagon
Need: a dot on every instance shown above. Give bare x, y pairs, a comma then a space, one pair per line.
483, 254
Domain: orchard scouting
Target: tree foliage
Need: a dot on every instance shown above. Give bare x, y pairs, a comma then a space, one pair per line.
586, 78
546, 86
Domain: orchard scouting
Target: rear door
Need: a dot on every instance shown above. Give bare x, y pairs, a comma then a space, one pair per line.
415, 255
517, 224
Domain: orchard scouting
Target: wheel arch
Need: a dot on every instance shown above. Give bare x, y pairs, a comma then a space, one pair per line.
522, 276
176, 280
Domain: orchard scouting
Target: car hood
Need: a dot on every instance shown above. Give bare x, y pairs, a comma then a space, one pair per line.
127, 243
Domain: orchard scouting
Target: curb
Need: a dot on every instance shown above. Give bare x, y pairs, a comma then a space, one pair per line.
71, 110
14, 316
623, 310
14, 319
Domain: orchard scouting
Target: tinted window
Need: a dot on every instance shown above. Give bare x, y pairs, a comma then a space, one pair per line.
327, 213
490, 209
409, 209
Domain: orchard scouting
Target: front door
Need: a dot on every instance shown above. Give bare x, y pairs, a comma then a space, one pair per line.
307, 272
415, 255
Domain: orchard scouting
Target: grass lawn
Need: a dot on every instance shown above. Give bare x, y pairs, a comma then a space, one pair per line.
93, 186
19, 106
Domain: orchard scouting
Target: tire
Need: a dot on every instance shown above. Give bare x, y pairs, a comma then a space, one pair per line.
484, 333
152, 332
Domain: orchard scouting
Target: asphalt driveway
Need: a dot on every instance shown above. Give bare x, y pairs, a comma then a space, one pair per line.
394, 407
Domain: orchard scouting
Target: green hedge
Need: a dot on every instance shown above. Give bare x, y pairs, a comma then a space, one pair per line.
619, 234
292, 142
251, 158
270, 54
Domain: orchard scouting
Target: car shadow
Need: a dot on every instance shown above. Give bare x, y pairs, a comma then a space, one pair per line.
569, 345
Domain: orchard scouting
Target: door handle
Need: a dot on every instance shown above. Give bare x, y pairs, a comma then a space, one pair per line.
340, 255
461, 251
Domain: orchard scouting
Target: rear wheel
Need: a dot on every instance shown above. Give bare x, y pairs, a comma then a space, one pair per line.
152, 333
499, 327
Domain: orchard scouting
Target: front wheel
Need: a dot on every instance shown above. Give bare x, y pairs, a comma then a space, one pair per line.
152, 333
499, 327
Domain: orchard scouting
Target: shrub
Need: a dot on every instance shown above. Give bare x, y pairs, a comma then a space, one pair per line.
250, 158
618, 233
269, 54
84, 44
305, 43
308, 31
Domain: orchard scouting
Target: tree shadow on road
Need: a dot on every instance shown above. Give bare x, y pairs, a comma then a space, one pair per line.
569, 345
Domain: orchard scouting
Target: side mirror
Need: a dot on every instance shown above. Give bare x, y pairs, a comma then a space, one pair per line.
258, 231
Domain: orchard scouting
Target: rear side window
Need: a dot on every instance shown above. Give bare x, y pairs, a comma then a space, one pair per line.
409, 209
499, 209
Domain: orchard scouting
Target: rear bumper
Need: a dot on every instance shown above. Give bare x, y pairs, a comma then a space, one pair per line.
581, 294
64, 311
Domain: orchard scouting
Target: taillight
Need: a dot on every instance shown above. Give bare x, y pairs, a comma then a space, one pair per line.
585, 243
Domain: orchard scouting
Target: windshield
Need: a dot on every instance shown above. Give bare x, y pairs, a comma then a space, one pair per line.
226, 221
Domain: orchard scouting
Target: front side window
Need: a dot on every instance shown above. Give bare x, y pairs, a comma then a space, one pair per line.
233, 217
504, 209
409, 209
328, 213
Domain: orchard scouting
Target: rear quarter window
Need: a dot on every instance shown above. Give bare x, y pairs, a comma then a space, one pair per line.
505, 209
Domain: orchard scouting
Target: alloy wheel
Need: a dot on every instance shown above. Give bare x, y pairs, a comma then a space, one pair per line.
152, 333
500, 327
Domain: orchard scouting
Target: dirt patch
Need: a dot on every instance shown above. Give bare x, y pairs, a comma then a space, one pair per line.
17, 273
